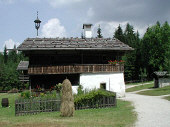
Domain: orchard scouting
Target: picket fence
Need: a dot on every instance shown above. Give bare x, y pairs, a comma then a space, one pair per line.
98, 103
34, 106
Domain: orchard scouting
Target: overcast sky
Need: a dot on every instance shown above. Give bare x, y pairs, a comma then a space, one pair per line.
64, 18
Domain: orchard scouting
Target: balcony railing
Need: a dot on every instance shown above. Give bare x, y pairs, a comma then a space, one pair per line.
24, 78
73, 69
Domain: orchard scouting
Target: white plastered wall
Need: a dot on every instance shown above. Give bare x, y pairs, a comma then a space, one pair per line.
114, 82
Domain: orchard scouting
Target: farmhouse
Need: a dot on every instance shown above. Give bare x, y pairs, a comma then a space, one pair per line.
83, 61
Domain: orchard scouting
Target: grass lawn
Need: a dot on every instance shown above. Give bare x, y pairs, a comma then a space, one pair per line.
139, 83
120, 116
136, 88
156, 91
167, 98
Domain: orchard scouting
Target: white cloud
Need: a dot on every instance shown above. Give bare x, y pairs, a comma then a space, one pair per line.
34, 1
53, 28
57, 3
10, 44
108, 28
7, 1
90, 12
141, 30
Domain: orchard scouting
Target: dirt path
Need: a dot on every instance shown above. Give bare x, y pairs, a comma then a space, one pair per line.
153, 111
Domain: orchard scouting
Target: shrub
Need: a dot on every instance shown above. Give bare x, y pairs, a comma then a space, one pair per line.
48, 95
80, 90
58, 87
26, 94
92, 96
7, 88
52, 94
26, 86
1, 88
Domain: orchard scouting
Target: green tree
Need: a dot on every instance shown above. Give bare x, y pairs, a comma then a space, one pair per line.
132, 64
119, 34
5, 55
155, 48
99, 32
165, 32
1, 59
8, 73
12, 55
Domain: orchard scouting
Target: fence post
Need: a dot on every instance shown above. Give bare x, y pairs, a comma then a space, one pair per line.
15, 107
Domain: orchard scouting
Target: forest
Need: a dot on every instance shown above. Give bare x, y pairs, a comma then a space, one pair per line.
151, 53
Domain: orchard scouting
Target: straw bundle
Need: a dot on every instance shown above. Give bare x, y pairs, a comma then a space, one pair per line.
67, 100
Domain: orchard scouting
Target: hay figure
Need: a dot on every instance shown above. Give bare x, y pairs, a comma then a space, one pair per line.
67, 100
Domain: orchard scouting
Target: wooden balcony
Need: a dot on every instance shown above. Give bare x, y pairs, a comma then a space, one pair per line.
24, 78
73, 69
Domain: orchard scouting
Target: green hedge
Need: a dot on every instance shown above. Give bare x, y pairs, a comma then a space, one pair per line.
92, 96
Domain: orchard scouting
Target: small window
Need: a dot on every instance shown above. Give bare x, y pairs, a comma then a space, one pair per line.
103, 86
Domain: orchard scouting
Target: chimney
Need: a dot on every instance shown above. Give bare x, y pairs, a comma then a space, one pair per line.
87, 30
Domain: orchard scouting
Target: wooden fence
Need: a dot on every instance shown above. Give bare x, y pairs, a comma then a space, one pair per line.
98, 103
36, 105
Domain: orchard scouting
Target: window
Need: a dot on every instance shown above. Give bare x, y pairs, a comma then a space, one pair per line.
103, 86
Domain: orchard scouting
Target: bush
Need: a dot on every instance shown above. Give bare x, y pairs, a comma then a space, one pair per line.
26, 86
92, 96
58, 87
26, 94
48, 95
1, 88
7, 88
52, 94
80, 90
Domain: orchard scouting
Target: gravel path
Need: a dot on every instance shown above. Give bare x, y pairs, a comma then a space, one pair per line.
130, 86
153, 111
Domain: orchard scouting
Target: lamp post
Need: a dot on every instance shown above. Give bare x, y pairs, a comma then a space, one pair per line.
37, 23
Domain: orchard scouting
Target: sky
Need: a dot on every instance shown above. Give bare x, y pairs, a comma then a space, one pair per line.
64, 18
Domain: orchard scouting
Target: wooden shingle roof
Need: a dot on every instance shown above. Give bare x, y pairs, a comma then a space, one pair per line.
23, 65
73, 44
161, 74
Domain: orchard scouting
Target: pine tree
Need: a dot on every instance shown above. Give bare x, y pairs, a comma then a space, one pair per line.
129, 57
129, 35
119, 34
12, 55
99, 34
5, 55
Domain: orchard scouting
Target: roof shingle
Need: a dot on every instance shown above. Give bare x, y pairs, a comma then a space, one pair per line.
23, 65
72, 44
